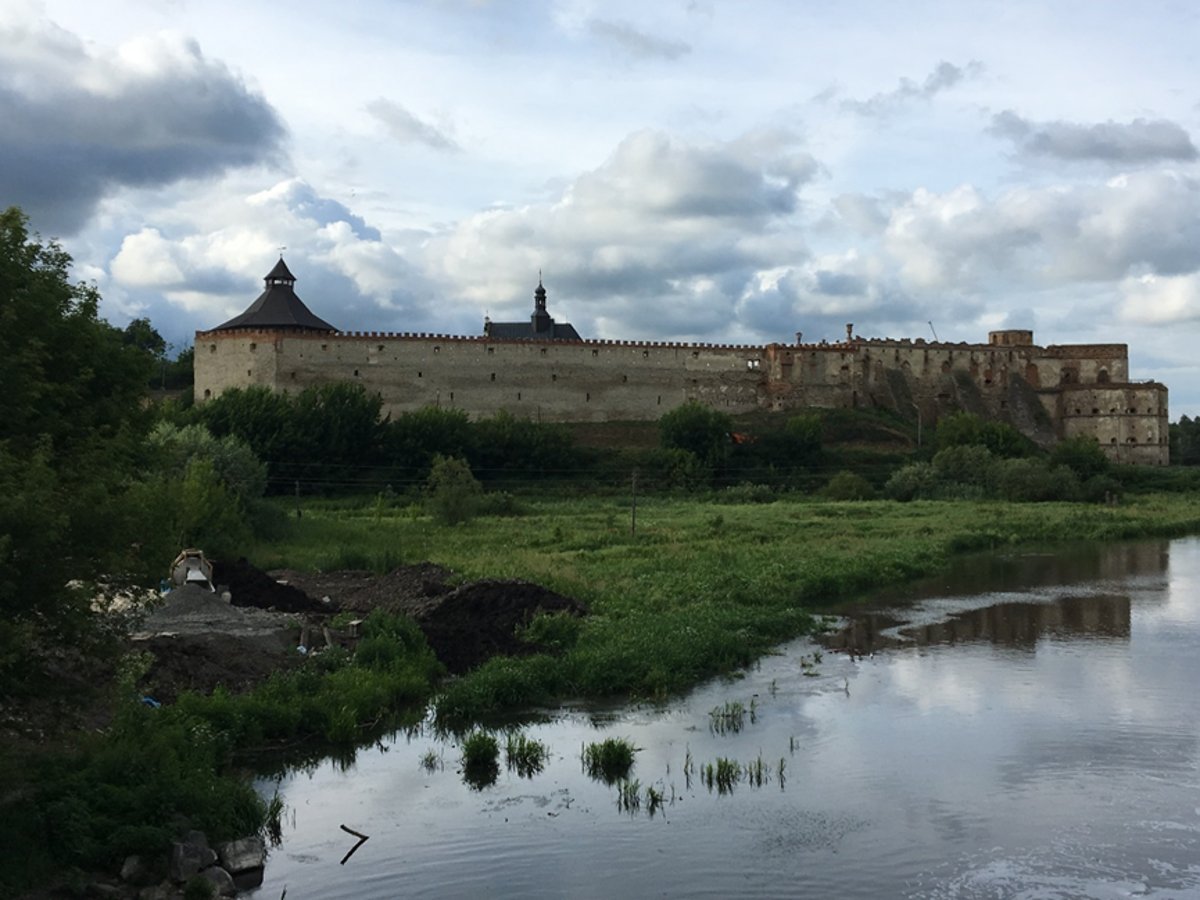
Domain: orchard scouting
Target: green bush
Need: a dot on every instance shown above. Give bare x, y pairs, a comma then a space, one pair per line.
747, 493
452, 493
916, 481
848, 486
1082, 455
1034, 480
698, 429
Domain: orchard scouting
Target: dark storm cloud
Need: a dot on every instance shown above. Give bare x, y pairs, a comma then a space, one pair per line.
77, 127
1139, 141
944, 76
406, 128
637, 43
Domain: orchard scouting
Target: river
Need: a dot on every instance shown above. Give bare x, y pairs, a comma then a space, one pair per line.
1024, 726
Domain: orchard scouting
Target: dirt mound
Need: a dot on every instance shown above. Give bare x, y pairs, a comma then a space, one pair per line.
479, 620
409, 590
200, 662
253, 587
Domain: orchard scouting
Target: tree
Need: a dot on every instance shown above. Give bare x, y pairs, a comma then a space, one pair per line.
71, 426
699, 429
452, 492
1083, 455
66, 373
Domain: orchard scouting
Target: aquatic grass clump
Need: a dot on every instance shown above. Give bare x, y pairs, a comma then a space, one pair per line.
480, 759
524, 755
609, 760
724, 774
431, 761
629, 795
729, 717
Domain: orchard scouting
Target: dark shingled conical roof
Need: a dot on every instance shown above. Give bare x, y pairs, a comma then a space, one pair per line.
278, 307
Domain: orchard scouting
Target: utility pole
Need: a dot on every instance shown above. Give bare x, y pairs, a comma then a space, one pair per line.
633, 509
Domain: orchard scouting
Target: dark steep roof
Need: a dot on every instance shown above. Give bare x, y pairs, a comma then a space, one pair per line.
510, 330
278, 307
541, 325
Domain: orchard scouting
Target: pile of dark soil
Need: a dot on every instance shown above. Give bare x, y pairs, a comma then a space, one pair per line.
201, 662
479, 620
408, 590
249, 586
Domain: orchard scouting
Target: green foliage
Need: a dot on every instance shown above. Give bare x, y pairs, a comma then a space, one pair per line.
609, 760
747, 493
452, 493
525, 755
698, 429
68, 376
1034, 480
412, 439
234, 464
554, 632
1082, 455
916, 481
848, 486
480, 759
71, 419
504, 445
961, 429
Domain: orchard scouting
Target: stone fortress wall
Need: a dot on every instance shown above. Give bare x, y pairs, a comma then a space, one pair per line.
1049, 393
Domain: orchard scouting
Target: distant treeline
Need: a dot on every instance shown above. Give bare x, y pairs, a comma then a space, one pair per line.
333, 438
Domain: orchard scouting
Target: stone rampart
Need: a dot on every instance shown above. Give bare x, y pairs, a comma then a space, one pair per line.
1048, 392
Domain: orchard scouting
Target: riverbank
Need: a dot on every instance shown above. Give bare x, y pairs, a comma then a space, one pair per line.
686, 588
689, 589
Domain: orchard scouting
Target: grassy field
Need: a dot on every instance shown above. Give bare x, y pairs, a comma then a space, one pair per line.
701, 587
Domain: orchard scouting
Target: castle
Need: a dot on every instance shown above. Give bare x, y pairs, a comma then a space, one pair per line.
545, 371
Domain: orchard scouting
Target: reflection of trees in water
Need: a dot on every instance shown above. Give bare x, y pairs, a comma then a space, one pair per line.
1013, 624
1018, 571
1009, 624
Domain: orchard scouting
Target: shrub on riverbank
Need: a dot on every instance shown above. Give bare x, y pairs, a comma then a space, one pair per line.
156, 771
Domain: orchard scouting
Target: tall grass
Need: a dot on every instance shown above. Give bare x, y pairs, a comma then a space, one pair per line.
681, 601
609, 760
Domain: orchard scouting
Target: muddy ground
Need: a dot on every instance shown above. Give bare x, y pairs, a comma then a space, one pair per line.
198, 641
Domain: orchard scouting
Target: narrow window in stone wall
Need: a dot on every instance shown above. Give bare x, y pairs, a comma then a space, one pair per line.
543, 351
1095, 411
518, 395
207, 392
491, 349
695, 354
212, 348
293, 376
356, 373
324, 346
595, 353
624, 378
660, 399
253, 347
247, 373
646, 354
452, 396
419, 374
587, 398
437, 349
493, 376
553, 377
380, 348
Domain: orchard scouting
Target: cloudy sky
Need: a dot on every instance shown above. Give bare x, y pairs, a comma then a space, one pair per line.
716, 170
